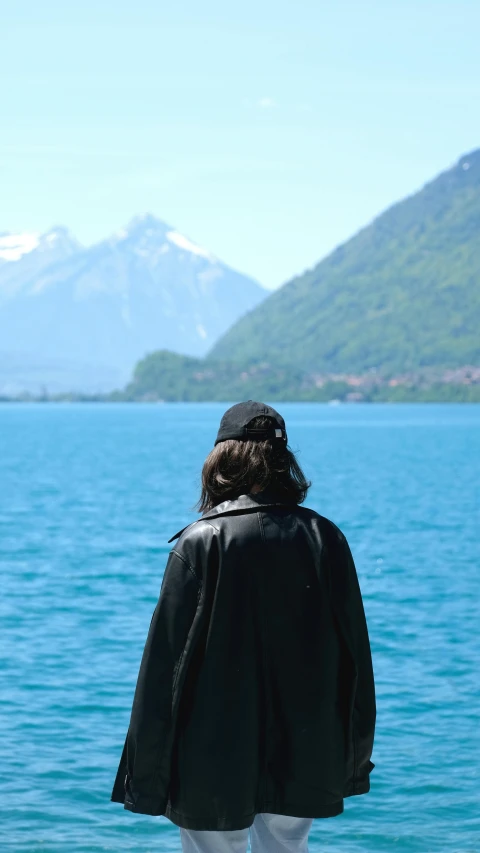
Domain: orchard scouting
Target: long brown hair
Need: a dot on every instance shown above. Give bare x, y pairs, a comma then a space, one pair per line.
235, 466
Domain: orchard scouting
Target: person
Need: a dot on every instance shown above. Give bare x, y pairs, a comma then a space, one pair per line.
254, 709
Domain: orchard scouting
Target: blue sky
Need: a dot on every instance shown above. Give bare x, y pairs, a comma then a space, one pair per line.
268, 132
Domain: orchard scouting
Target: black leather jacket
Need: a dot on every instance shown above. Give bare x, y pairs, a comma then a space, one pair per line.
255, 691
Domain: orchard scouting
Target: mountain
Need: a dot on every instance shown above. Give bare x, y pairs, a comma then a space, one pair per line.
88, 314
401, 295
24, 256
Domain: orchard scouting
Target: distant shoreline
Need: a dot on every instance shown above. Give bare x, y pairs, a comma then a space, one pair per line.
72, 400
168, 377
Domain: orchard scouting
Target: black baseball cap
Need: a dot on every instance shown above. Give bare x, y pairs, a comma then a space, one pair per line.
234, 423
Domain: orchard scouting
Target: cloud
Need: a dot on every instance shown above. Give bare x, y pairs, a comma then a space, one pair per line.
266, 103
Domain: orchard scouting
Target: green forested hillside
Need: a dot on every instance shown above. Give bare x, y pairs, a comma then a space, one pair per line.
401, 295
167, 376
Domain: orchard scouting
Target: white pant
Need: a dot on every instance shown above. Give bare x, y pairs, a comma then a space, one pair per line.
269, 833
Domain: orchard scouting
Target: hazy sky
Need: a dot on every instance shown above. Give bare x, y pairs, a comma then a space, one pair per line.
266, 131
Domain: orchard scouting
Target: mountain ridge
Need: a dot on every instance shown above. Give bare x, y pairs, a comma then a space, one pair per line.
144, 287
401, 294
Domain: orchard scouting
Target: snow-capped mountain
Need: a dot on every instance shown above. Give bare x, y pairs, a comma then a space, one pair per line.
100, 309
54, 245
23, 256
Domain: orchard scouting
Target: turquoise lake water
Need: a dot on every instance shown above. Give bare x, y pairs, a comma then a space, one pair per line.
89, 497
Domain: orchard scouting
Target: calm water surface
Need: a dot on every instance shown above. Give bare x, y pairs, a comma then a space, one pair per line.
89, 496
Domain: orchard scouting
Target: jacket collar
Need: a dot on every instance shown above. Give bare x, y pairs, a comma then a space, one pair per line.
244, 503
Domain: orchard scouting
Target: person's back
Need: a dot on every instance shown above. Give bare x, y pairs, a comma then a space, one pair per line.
255, 694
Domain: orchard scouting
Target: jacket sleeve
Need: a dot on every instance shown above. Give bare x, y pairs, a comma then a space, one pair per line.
350, 614
143, 775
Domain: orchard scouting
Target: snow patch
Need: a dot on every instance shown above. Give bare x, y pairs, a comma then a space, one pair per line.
210, 274
187, 245
14, 246
152, 254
